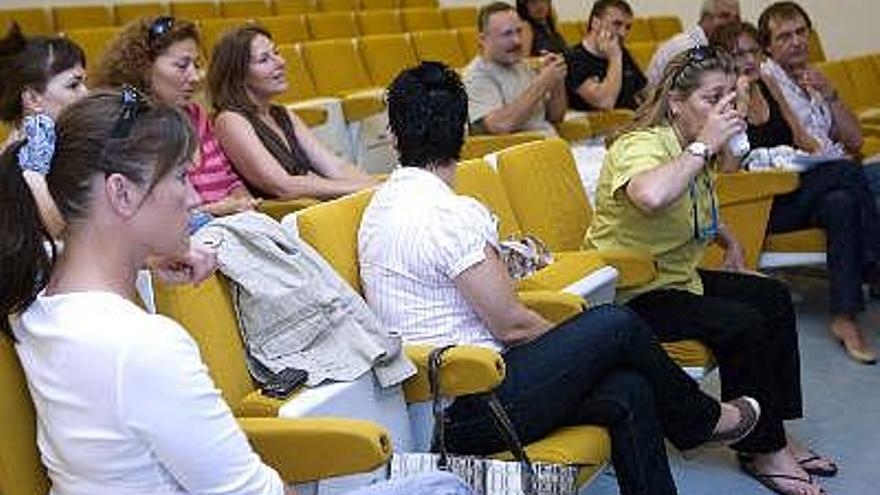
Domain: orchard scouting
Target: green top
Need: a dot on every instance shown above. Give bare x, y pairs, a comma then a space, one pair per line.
671, 234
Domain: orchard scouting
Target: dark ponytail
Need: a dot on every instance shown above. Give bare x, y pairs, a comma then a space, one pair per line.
25, 262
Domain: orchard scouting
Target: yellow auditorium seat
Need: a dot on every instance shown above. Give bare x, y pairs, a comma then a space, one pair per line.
642, 53
423, 19
409, 4
127, 12
605, 122
385, 55
245, 8
459, 17
71, 17
300, 85
94, 42
295, 447
336, 5
211, 30
379, 4
336, 66
482, 145
816, 52
439, 46
293, 7
665, 27
641, 30
379, 22
331, 228
866, 82
194, 11
836, 72
31, 21
467, 38
332, 25
572, 31
286, 29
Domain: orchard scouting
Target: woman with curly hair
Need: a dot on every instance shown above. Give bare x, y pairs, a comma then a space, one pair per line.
160, 56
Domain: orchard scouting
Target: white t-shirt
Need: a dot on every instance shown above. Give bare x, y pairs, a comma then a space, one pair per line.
415, 238
125, 405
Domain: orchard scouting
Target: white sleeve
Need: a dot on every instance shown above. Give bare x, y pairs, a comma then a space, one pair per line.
168, 399
460, 235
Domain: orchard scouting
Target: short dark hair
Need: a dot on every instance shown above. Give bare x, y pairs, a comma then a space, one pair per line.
725, 37
600, 6
779, 10
486, 12
427, 112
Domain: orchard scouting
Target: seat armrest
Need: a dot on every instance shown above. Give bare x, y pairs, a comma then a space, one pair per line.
741, 187
308, 449
358, 105
574, 129
635, 268
607, 121
556, 307
311, 116
278, 208
466, 369
257, 405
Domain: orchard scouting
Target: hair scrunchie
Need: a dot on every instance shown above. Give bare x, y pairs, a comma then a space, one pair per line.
36, 153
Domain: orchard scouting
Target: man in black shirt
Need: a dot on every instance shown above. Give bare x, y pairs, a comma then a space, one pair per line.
601, 73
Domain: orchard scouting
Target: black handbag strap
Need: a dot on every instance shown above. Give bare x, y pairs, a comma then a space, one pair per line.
503, 423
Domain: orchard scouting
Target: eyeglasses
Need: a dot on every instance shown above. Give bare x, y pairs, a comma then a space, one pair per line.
161, 26
695, 55
702, 232
133, 104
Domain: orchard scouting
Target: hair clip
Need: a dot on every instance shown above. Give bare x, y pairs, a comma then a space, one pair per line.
132, 105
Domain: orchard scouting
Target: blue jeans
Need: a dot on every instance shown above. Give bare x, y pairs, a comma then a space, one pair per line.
438, 483
602, 367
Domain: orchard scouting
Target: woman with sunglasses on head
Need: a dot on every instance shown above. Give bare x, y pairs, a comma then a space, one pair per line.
656, 194
273, 150
39, 76
833, 196
124, 402
160, 57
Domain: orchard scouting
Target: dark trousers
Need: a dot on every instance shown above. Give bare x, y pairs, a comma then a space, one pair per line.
836, 197
749, 324
602, 367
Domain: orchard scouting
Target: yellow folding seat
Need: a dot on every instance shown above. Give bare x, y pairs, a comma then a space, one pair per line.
336, 5
286, 29
194, 11
482, 145
293, 7
815, 49
836, 72
408, 4
211, 30
94, 41
331, 228
866, 84
245, 8
385, 56
300, 83
31, 21
460, 16
469, 42
642, 53
336, 66
379, 22
72, 17
439, 46
422, 19
379, 4
572, 31
127, 12
641, 30
332, 25
664, 27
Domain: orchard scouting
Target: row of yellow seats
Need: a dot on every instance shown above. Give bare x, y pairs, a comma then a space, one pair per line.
62, 18
656, 28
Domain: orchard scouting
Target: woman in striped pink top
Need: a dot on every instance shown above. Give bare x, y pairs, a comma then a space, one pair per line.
159, 55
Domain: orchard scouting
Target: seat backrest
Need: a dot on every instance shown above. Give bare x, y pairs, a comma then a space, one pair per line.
460, 16
815, 50
640, 31
546, 193
470, 43
21, 472
665, 26
300, 85
482, 145
293, 7
439, 46
379, 4
865, 79
94, 41
212, 29
335, 65
32, 21
286, 29
332, 25
127, 12
81, 17
477, 179
331, 228
245, 8
207, 313
836, 72
571, 31
408, 4
385, 55
194, 10
422, 19
379, 22
642, 53
336, 5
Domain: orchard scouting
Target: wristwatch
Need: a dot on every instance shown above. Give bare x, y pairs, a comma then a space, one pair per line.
700, 149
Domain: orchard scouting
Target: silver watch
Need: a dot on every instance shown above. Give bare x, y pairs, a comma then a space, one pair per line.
700, 149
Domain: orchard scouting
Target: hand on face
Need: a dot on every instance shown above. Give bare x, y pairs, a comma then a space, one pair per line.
608, 43
813, 80
722, 123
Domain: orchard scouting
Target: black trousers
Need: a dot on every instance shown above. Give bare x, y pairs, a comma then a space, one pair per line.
602, 367
749, 324
836, 197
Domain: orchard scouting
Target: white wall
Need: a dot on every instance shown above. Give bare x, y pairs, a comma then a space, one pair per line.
847, 27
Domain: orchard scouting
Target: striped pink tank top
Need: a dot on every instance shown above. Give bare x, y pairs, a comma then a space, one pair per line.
213, 176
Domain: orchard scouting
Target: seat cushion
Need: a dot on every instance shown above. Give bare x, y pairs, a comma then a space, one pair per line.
567, 268
799, 241
689, 353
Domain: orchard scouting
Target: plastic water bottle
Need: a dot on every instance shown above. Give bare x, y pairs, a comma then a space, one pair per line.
739, 144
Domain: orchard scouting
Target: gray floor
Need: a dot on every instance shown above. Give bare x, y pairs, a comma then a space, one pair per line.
842, 401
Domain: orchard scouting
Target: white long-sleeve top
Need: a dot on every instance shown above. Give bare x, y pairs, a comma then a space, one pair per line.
125, 405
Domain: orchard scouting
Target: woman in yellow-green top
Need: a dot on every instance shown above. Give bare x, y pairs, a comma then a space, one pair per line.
656, 193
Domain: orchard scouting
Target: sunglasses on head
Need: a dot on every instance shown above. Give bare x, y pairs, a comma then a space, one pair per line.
161, 26
695, 55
